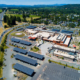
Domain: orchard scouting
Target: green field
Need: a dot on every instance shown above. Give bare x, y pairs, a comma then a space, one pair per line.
34, 16
14, 34
17, 15
0, 10
14, 9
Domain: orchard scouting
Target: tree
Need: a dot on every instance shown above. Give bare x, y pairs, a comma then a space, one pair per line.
5, 26
31, 20
46, 22
5, 18
72, 25
8, 22
24, 16
18, 19
24, 20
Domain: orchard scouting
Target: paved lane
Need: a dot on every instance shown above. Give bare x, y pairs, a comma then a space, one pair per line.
1, 17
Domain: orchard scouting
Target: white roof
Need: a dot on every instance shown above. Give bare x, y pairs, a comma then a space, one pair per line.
42, 34
62, 54
65, 48
61, 36
31, 31
64, 39
67, 41
53, 38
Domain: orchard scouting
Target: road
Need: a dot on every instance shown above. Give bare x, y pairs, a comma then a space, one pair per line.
1, 17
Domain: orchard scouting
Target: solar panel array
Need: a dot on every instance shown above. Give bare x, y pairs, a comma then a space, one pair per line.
15, 40
26, 59
32, 54
21, 41
25, 42
56, 30
23, 69
19, 29
20, 50
66, 31
31, 27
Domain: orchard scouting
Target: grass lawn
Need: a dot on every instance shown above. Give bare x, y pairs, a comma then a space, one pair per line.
0, 10
29, 19
35, 49
1, 30
14, 9
34, 16
14, 34
1, 59
17, 15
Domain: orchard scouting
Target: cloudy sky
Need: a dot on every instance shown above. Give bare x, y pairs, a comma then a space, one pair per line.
36, 2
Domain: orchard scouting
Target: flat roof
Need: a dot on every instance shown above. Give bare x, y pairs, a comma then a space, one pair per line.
56, 30
23, 69
25, 42
67, 41
36, 55
21, 41
64, 48
31, 31
63, 54
42, 34
15, 40
66, 31
31, 27
26, 59
20, 50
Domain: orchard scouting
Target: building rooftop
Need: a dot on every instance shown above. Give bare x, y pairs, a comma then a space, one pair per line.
31, 27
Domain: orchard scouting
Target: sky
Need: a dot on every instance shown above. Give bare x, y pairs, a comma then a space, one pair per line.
37, 2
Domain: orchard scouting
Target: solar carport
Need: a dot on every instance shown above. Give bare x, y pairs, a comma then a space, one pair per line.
31, 27
26, 59
66, 31
23, 69
25, 42
56, 30
20, 50
15, 40
32, 54
21, 41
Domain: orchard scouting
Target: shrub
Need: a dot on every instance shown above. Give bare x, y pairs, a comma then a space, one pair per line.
72, 66
5, 26
62, 57
66, 65
49, 61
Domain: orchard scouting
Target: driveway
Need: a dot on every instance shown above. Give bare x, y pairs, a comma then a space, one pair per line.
44, 47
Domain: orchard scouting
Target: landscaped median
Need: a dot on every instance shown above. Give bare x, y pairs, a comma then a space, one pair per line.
35, 49
2, 49
65, 65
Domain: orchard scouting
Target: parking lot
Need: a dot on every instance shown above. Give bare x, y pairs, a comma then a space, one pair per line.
52, 71
8, 72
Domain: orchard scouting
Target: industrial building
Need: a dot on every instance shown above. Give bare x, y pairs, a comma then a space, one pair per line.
62, 39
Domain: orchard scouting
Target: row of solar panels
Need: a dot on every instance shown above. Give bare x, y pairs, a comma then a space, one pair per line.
31, 27
21, 41
26, 59
32, 54
24, 69
63, 31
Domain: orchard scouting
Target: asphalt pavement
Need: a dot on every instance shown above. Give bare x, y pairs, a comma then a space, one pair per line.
1, 17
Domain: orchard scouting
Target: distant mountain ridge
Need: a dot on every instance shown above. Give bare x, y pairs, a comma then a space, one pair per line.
4, 5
